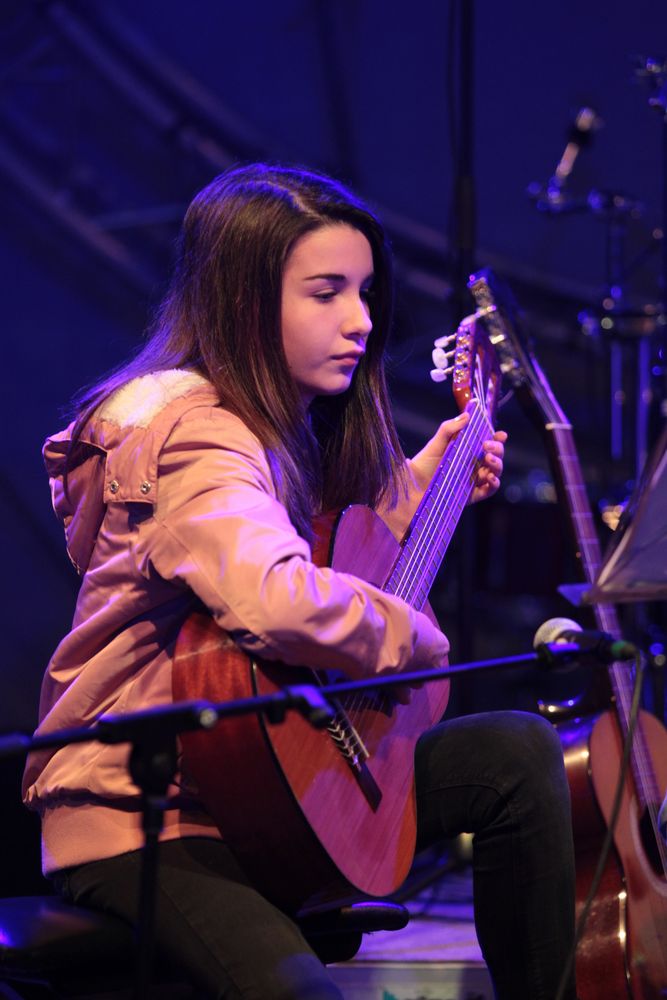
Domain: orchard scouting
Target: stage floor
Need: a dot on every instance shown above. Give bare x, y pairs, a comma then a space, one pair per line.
436, 957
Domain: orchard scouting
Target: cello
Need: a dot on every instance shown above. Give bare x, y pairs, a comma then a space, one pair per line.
623, 950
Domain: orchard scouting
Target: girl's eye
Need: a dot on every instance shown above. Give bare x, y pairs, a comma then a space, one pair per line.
366, 294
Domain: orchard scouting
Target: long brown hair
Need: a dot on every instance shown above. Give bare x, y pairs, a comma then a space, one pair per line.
221, 316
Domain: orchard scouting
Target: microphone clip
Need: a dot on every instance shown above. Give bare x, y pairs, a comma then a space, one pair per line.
561, 642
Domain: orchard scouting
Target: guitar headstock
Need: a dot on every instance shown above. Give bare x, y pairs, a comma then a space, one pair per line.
470, 358
501, 316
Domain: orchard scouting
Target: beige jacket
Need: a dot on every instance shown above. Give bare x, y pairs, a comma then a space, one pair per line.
171, 499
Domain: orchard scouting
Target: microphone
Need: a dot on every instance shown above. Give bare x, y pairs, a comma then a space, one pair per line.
550, 197
585, 123
562, 640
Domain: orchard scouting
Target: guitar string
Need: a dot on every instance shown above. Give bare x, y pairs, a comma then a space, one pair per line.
419, 570
414, 566
642, 765
618, 677
443, 495
448, 497
440, 498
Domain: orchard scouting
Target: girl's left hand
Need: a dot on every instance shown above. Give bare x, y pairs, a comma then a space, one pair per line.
489, 471
421, 469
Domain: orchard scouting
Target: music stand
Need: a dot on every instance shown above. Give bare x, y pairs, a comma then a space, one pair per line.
635, 565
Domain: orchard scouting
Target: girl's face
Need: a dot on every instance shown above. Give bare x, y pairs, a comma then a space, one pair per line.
325, 314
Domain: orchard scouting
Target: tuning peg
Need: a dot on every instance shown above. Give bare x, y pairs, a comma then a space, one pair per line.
440, 375
445, 341
442, 358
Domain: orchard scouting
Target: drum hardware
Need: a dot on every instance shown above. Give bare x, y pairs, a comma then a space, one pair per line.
626, 328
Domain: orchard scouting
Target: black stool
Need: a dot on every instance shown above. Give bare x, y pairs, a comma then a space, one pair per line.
52, 949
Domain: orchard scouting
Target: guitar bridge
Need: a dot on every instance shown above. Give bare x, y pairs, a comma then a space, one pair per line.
347, 739
351, 746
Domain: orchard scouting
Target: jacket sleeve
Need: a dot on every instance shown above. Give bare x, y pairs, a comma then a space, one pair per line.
219, 529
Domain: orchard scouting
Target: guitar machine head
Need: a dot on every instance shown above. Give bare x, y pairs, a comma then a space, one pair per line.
472, 363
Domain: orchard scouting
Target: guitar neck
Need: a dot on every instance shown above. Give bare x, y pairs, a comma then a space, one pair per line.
565, 464
572, 492
571, 487
432, 527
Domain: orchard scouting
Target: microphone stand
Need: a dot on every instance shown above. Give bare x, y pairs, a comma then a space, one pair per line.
152, 765
153, 758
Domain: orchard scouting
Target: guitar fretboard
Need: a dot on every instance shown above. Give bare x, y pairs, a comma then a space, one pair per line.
435, 520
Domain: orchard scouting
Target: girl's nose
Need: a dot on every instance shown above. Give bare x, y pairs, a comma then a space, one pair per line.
358, 321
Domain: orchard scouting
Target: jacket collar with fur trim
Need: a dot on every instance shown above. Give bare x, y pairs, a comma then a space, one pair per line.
116, 458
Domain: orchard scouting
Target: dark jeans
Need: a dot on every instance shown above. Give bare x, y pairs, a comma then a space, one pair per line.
499, 776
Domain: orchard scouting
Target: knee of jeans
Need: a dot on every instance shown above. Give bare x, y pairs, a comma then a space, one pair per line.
537, 733
532, 744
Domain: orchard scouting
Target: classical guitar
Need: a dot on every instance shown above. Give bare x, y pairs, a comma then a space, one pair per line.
317, 817
624, 949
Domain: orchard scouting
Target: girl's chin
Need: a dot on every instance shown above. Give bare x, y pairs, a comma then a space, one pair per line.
333, 388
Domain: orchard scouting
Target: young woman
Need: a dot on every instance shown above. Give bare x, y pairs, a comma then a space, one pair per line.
193, 473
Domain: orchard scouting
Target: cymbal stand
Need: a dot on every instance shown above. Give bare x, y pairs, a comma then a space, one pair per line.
621, 326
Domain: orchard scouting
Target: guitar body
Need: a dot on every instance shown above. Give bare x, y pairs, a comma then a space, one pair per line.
601, 954
646, 889
626, 934
310, 829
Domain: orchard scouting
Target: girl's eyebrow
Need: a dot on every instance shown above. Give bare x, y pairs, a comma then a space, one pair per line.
336, 277
327, 277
